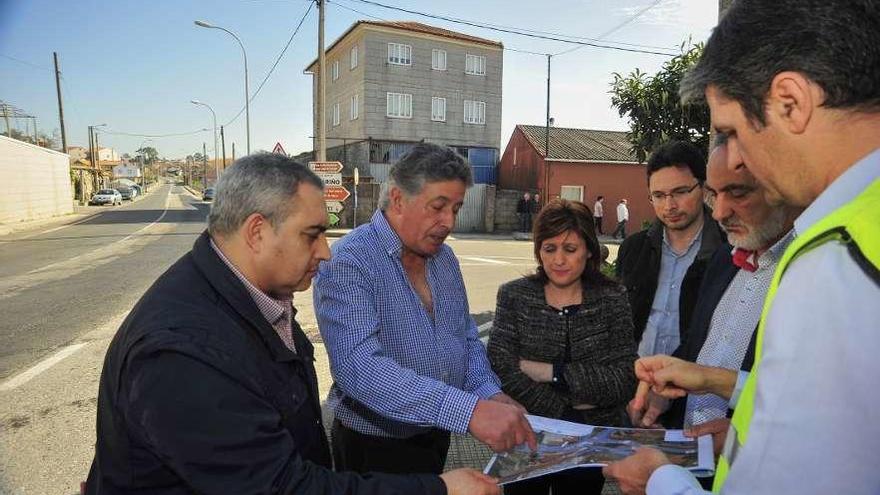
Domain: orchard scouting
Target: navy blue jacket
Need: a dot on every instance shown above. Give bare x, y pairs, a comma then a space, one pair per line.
199, 395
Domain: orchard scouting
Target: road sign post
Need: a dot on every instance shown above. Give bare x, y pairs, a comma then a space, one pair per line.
330, 173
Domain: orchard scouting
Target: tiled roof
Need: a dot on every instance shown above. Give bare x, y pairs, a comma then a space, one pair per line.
581, 144
415, 27
418, 27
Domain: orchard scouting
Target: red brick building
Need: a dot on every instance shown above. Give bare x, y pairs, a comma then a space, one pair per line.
583, 164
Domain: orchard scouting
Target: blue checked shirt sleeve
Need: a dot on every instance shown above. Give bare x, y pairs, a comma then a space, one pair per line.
347, 317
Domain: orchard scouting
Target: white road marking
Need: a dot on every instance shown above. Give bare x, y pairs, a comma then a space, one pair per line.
484, 260
40, 367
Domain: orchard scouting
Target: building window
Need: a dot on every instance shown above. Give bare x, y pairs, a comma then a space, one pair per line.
399, 54
438, 109
335, 116
572, 193
399, 105
438, 59
354, 57
354, 107
474, 112
475, 64
334, 70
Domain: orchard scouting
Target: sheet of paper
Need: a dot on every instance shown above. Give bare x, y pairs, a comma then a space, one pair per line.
564, 445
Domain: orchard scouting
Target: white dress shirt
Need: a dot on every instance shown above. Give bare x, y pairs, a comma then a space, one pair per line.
814, 427
622, 212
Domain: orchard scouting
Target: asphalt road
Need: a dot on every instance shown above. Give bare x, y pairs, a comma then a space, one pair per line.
58, 285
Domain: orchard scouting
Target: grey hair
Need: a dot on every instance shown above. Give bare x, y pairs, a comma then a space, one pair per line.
834, 44
261, 183
426, 162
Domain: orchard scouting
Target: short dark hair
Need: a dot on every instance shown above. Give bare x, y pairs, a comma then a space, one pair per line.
834, 44
260, 183
559, 216
425, 162
678, 154
598, 198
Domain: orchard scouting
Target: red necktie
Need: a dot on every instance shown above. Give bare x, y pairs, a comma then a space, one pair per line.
745, 259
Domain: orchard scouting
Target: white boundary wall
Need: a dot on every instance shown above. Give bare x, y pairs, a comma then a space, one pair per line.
34, 182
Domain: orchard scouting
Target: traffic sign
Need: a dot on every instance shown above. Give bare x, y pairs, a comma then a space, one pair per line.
335, 207
332, 219
330, 179
336, 193
326, 167
279, 149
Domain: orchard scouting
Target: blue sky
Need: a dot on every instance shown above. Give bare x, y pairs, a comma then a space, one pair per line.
135, 65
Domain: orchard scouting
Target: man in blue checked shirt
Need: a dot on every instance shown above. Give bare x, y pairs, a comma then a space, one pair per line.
391, 304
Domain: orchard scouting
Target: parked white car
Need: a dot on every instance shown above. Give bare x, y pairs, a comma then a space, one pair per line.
106, 197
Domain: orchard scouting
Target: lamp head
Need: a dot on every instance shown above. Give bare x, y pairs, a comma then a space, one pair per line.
203, 24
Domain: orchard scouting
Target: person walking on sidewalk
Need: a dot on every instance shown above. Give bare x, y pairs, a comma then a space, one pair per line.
622, 218
524, 212
598, 213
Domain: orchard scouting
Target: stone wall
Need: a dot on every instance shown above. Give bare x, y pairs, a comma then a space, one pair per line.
505, 210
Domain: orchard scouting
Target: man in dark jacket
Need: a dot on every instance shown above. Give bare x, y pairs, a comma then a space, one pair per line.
209, 385
524, 208
662, 267
735, 283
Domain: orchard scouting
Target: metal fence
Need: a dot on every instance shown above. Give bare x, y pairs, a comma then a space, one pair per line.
472, 215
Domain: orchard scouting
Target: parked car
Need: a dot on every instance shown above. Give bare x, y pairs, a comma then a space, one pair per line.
208, 194
106, 197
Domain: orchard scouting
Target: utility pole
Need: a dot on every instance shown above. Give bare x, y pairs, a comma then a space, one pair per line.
205, 165
233, 151
91, 147
321, 152
547, 138
60, 104
97, 158
223, 144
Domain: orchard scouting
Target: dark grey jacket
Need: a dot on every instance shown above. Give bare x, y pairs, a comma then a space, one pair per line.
595, 343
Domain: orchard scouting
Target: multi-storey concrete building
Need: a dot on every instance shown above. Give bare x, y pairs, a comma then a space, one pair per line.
393, 84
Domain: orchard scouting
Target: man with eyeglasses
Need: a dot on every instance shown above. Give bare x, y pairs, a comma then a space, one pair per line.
722, 330
662, 267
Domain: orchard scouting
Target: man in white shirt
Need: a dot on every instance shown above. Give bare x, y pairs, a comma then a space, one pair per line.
598, 213
622, 218
811, 135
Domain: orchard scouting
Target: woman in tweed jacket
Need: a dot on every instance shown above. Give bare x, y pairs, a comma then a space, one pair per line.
562, 341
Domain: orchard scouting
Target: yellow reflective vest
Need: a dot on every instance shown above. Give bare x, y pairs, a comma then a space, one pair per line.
856, 225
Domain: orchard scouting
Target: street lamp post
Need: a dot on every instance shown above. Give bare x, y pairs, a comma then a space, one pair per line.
214, 115
247, 92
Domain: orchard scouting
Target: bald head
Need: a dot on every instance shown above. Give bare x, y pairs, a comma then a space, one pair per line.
739, 205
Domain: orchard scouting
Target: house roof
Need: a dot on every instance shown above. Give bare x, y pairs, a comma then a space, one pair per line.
581, 144
413, 27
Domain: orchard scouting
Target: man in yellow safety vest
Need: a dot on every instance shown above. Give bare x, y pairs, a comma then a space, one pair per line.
794, 85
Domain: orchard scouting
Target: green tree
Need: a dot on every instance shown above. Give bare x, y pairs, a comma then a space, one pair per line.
149, 153
654, 110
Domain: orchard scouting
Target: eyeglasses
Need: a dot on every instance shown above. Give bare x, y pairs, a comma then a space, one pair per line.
676, 194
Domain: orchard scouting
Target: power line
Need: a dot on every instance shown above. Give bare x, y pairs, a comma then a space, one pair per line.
489, 25
277, 60
618, 27
24, 62
515, 31
132, 134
